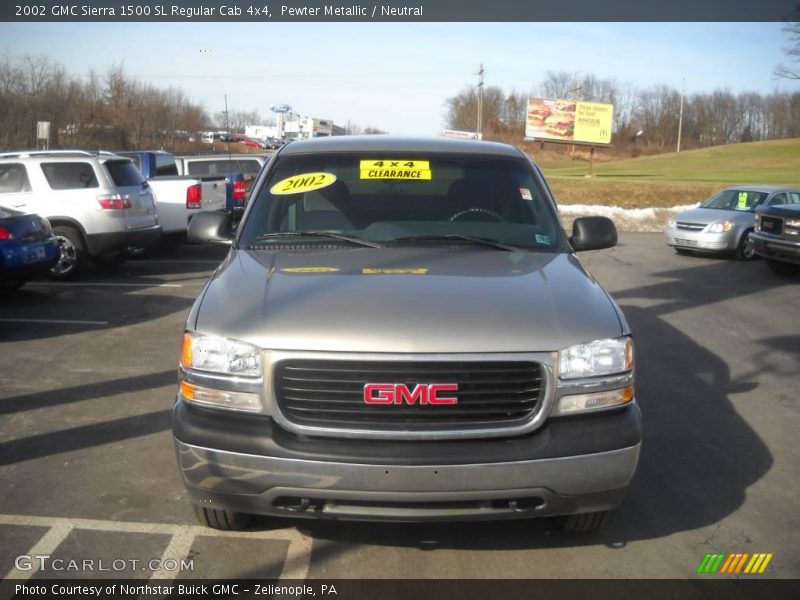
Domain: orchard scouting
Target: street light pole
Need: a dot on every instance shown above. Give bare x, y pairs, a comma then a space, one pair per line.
480, 98
680, 116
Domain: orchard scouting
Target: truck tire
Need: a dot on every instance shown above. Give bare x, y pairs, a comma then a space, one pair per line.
783, 269
583, 523
73, 258
218, 518
746, 250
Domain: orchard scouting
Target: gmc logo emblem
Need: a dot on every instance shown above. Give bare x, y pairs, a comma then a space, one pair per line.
398, 393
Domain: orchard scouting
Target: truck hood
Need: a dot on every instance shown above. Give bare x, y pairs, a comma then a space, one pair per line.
791, 211
411, 300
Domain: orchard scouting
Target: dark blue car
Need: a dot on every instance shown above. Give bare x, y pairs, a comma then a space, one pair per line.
27, 247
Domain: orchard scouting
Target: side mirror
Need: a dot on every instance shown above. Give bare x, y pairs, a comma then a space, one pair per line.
593, 233
210, 227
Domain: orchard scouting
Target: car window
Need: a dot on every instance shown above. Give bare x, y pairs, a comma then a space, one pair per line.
794, 197
385, 198
778, 199
14, 179
165, 165
69, 175
124, 173
222, 166
741, 200
249, 167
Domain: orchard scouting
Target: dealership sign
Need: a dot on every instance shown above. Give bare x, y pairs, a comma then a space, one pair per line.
569, 121
280, 108
462, 135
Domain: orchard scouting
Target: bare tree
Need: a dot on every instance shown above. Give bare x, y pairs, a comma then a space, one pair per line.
792, 51
560, 85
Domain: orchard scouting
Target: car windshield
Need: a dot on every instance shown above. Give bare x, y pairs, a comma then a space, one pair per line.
413, 198
741, 200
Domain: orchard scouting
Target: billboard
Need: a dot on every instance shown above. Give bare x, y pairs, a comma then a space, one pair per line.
569, 121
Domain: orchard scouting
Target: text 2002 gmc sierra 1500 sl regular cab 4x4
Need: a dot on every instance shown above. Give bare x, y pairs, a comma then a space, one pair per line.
414, 339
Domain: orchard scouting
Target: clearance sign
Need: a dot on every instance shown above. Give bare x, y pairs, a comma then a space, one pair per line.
569, 121
395, 169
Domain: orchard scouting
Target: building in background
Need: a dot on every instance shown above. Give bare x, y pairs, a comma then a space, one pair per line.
295, 127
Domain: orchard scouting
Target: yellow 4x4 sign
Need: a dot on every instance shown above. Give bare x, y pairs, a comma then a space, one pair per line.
395, 169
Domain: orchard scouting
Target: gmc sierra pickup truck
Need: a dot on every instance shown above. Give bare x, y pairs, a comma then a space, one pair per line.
777, 233
178, 198
414, 339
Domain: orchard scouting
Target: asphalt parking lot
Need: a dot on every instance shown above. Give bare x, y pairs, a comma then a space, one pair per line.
87, 379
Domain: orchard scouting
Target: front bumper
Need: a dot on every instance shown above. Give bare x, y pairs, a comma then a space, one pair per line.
560, 469
100, 244
776, 248
705, 242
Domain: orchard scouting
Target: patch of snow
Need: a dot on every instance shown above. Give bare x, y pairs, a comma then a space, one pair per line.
626, 219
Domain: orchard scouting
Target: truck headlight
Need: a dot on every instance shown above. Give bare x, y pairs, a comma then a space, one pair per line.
216, 354
671, 223
593, 359
719, 227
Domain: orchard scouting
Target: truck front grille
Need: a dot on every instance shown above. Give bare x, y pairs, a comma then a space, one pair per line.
330, 394
690, 226
772, 225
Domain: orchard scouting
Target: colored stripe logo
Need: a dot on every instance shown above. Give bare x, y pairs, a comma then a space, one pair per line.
734, 563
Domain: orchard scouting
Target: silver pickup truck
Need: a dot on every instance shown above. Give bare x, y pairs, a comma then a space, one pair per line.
414, 339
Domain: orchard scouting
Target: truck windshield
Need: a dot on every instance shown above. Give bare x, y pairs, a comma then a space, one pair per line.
408, 199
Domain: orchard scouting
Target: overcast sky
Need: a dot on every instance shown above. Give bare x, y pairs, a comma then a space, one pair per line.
398, 76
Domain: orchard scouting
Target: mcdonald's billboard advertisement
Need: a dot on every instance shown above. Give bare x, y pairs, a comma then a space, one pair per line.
569, 121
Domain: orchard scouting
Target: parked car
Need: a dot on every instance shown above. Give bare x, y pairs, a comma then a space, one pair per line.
777, 232
239, 171
99, 205
414, 339
722, 223
28, 247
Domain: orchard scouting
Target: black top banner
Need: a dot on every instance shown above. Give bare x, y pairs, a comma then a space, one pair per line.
265, 11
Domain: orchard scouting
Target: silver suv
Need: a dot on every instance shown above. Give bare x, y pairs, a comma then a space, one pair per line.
100, 206
413, 339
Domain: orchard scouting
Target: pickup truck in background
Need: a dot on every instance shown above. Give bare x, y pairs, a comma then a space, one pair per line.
240, 170
777, 232
178, 197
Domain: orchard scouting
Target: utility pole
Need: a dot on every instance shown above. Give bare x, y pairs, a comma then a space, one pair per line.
480, 74
680, 116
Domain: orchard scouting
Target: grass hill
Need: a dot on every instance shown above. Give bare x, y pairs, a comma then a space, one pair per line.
675, 178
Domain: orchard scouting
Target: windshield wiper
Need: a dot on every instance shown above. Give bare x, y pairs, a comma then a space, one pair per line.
267, 237
459, 237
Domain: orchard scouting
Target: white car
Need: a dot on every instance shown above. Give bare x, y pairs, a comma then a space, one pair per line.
100, 206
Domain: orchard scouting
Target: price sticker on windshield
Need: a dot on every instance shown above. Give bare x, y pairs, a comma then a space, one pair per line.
306, 182
395, 169
742, 203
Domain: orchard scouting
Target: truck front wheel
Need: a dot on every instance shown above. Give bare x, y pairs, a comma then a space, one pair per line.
218, 518
583, 523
